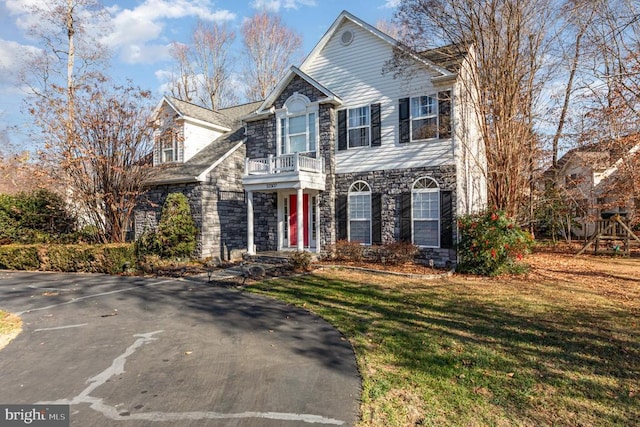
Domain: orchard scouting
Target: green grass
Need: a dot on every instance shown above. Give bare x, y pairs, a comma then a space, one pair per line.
475, 352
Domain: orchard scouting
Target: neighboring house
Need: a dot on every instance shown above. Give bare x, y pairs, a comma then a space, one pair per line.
588, 177
338, 150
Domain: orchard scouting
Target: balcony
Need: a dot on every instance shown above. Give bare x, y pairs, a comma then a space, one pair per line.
285, 171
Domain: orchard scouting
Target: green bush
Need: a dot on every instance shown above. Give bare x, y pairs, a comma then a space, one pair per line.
108, 259
116, 258
146, 244
19, 257
37, 217
176, 232
491, 244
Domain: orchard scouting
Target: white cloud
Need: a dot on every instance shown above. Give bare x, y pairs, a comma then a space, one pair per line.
275, 5
134, 29
391, 4
144, 53
12, 56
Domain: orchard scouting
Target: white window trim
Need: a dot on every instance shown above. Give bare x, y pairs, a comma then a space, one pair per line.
368, 144
173, 149
293, 103
370, 193
430, 116
435, 189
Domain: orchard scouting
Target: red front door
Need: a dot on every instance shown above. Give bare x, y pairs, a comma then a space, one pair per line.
293, 219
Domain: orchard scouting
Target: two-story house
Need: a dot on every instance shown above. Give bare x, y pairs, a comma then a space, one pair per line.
591, 179
341, 149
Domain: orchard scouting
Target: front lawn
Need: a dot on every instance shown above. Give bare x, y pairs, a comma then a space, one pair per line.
559, 346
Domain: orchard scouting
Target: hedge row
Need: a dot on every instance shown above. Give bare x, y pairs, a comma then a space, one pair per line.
109, 259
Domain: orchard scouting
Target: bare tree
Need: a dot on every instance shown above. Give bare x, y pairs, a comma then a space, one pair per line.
506, 40
183, 85
106, 165
204, 67
71, 55
269, 48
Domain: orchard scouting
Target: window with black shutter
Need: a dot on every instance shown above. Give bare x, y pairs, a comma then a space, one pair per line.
342, 130
405, 116
376, 218
405, 217
376, 126
341, 217
446, 219
444, 114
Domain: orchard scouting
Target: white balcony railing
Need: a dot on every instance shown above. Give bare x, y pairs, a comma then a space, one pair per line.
284, 163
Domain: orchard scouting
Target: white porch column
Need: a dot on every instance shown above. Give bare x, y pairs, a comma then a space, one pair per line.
250, 244
317, 208
300, 219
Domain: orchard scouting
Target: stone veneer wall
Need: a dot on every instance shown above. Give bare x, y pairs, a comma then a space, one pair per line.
391, 184
327, 197
149, 207
218, 208
224, 231
261, 142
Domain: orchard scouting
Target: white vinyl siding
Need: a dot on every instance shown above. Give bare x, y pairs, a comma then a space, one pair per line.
355, 73
196, 137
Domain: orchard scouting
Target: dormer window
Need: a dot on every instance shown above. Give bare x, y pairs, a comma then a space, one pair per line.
168, 147
298, 126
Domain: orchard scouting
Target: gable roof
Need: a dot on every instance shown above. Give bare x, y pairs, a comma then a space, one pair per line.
603, 156
196, 168
196, 113
344, 16
282, 84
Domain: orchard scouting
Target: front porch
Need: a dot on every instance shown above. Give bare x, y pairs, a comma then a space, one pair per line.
295, 180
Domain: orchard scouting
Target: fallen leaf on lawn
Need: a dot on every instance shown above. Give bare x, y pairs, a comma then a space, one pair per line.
511, 374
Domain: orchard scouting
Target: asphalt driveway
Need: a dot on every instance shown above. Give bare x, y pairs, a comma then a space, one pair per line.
130, 351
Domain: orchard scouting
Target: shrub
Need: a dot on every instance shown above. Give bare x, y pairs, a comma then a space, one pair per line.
19, 257
300, 260
146, 244
71, 258
115, 258
399, 252
490, 244
176, 232
345, 250
37, 217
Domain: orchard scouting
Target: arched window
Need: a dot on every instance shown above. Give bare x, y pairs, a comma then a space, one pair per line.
297, 125
425, 212
360, 213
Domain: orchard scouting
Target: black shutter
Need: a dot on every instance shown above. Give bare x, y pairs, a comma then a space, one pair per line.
446, 220
342, 130
444, 114
341, 217
404, 120
405, 217
376, 134
376, 218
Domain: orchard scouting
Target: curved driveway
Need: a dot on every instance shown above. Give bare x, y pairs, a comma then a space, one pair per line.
130, 351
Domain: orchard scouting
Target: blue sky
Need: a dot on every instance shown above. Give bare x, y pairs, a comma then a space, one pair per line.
143, 29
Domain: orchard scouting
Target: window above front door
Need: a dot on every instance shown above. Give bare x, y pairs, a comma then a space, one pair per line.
297, 126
